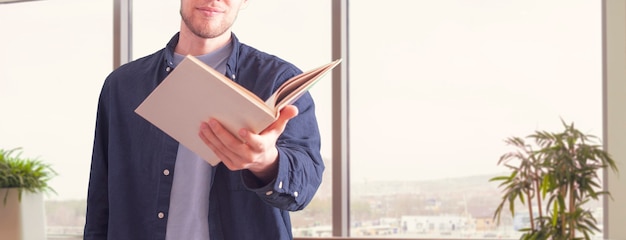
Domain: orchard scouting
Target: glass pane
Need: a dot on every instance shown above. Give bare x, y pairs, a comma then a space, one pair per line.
154, 23
298, 32
436, 87
55, 59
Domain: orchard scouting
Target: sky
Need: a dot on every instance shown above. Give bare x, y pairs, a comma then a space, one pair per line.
435, 86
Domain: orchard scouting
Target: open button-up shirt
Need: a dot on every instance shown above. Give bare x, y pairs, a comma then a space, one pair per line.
133, 161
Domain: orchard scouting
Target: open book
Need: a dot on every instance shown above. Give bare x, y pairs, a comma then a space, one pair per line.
194, 92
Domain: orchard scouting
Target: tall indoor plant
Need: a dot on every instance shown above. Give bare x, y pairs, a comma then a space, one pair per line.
23, 181
557, 174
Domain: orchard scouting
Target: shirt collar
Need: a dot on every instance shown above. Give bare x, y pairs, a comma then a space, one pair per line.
231, 63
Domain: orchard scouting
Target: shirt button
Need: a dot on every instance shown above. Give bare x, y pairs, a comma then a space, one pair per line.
280, 184
166, 172
269, 193
168, 69
295, 194
161, 215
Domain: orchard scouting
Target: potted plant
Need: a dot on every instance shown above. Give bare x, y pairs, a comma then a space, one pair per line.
23, 181
553, 175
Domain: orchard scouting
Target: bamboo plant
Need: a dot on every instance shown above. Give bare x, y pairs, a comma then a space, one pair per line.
25, 174
557, 174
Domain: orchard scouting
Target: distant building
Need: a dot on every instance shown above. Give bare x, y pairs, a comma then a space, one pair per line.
434, 224
521, 219
484, 224
315, 231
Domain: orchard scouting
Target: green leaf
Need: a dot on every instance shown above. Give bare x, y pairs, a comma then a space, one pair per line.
27, 174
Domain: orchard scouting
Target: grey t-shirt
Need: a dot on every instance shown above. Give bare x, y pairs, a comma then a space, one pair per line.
189, 199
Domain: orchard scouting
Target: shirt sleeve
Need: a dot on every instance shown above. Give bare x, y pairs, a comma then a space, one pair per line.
300, 165
97, 216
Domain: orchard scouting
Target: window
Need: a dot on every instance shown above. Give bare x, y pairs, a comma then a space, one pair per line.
54, 62
452, 77
435, 88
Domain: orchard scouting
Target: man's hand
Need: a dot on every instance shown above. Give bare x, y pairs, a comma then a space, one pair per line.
257, 152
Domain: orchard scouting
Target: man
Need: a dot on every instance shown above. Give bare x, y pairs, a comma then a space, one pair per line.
145, 185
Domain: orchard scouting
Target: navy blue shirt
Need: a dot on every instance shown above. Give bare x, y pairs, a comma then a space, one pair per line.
133, 161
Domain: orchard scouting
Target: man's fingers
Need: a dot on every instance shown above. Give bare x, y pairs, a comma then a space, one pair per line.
238, 152
287, 113
225, 146
258, 142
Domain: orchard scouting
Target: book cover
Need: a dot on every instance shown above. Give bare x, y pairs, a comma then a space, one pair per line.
194, 92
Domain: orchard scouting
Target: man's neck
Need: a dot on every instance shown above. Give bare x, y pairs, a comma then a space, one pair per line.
191, 44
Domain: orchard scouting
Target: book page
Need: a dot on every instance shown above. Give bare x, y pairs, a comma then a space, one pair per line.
295, 87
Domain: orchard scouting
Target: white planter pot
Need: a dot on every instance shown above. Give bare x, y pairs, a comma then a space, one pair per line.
22, 220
